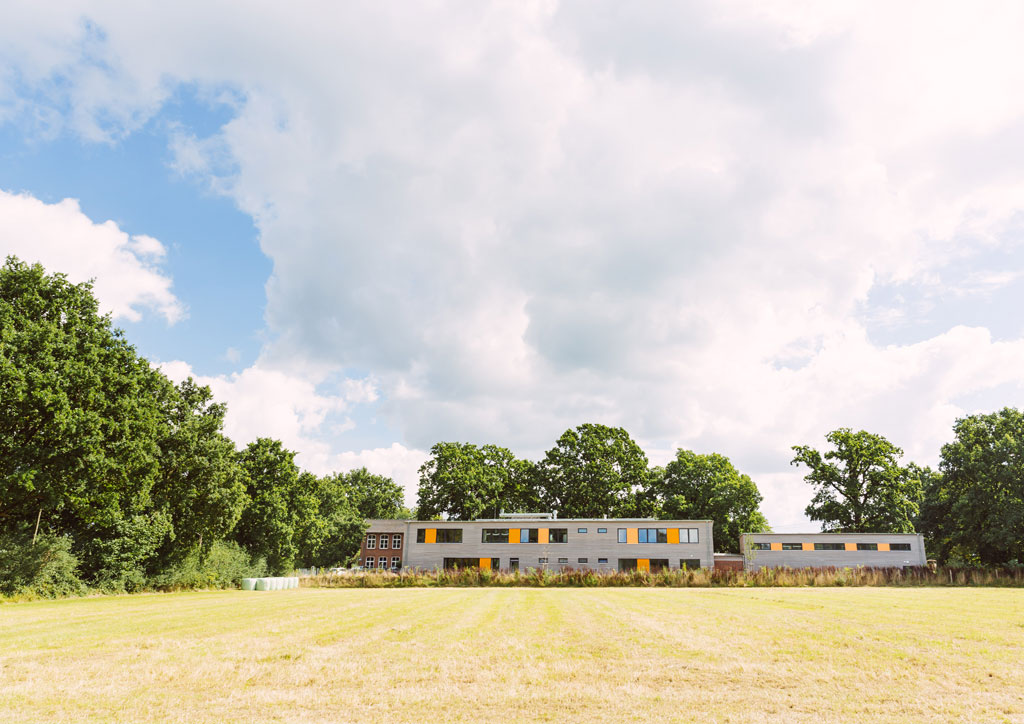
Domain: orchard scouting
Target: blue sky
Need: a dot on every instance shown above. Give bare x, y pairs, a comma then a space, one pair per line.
724, 227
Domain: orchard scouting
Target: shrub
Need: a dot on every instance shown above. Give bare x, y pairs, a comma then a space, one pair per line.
224, 566
46, 568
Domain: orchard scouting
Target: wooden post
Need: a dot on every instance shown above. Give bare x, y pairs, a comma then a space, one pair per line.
37, 526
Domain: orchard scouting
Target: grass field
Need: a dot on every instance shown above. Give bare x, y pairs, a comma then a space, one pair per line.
519, 655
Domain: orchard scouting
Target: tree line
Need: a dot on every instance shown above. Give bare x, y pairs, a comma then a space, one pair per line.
124, 477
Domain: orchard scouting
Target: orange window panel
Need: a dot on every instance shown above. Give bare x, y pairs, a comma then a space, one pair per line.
632, 535
513, 535
643, 564
431, 536
851, 546
542, 536
776, 546
485, 564
808, 546
883, 546
673, 535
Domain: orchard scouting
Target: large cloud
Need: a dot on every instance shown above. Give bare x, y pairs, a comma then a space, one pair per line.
59, 236
524, 216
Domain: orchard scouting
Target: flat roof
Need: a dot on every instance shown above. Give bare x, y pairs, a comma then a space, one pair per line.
838, 535
543, 520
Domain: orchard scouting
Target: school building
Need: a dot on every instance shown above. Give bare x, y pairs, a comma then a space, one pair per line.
832, 550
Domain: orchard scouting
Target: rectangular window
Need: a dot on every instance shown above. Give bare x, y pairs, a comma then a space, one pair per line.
396, 541
602, 560
760, 546
581, 530
449, 535
602, 530
383, 541
662, 534
690, 564
558, 535
657, 564
694, 535
899, 546
370, 560
582, 560
462, 563
830, 546
421, 535
792, 546
371, 541
513, 564
527, 535
642, 533
382, 562
494, 535
622, 535
542, 561
627, 564
867, 546
396, 562
689, 535
563, 560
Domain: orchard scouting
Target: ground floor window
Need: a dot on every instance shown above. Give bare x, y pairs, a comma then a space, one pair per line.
563, 560
602, 560
382, 562
461, 562
368, 563
396, 562
582, 560
690, 564
513, 564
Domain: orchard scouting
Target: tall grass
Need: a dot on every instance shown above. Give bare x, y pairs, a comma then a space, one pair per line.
699, 578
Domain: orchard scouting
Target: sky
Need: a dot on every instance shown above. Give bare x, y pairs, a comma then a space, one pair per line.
724, 226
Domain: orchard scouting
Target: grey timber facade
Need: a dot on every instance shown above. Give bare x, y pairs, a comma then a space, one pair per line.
832, 550
598, 544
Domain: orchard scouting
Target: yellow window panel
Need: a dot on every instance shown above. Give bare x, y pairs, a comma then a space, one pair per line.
513, 535
673, 535
808, 546
485, 564
431, 536
643, 564
883, 546
632, 536
542, 535
851, 546
776, 546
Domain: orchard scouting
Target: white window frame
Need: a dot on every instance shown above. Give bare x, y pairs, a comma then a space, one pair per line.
396, 541
371, 541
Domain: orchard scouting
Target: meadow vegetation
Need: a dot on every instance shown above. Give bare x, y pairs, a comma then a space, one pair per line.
659, 654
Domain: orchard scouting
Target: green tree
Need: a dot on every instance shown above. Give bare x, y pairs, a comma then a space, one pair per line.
467, 482
80, 424
200, 484
373, 496
975, 511
592, 471
859, 486
703, 487
278, 510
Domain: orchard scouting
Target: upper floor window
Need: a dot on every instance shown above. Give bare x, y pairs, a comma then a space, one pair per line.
581, 530
792, 546
602, 530
449, 535
622, 535
899, 546
396, 541
371, 541
383, 541
653, 535
528, 535
558, 535
689, 535
867, 546
760, 546
494, 535
830, 546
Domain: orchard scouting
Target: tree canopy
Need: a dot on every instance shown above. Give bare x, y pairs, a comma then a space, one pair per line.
708, 487
859, 485
465, 482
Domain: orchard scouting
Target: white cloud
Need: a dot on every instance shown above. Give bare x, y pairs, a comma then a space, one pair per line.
126, 269
517, 218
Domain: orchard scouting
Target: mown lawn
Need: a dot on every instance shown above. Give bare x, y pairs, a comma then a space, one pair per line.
519, 655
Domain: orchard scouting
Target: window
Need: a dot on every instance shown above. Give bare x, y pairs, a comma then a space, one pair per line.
461, 562
867, 546
371, 541
689, 564
582, 560
622, 535
760, 546
421, 535
642, 533
899, 546
558, 535
627, 564
368, 563
792, 546
449, 535
563, 560
396, 541
396, 562
382, 562
602, 530
513, 564
653, 535
657, 564
830, 546
542, 561
383, 541
494, 535
495, 564
527, 535
602, 560
581, 530
689, 535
